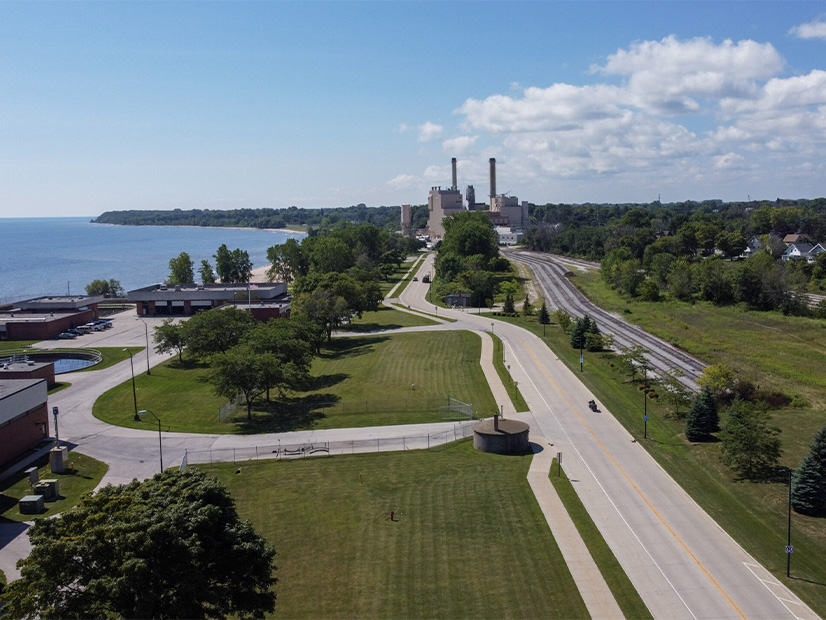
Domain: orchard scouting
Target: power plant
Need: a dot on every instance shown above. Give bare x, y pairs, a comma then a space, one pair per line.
505, 212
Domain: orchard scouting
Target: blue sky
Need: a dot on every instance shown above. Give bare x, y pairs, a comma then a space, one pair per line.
151, 105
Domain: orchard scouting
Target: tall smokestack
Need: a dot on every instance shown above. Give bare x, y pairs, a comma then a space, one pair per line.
492, 177
453, 167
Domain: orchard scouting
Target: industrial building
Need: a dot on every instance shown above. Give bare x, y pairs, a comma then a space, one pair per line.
24, 416
46, 317
504, 211
266, 300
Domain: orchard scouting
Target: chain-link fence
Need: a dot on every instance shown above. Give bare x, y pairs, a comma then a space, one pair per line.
449, 407
284, 450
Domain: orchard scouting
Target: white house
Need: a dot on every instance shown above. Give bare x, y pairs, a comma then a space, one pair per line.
802, 251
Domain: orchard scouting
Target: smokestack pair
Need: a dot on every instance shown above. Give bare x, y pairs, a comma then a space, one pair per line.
492, 175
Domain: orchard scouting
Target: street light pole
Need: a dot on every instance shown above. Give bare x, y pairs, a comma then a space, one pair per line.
581, 359
645, 400
134, 391
789, 547
146, 329
160, 443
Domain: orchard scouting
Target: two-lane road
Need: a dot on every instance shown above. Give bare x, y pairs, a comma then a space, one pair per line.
681, 562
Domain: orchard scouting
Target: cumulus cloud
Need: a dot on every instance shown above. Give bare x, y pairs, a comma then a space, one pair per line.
429, 131
681, 109
403, 182
813, 30
459, 145
675, 77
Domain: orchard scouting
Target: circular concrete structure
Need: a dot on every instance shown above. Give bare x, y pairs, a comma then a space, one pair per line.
501, 436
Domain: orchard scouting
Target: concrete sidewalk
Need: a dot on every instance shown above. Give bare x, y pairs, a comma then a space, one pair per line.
589, 581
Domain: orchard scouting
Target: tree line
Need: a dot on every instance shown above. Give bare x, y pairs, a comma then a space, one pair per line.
383, 217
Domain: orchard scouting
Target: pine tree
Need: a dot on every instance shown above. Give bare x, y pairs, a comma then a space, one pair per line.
578, 334
544, 317
809, 479
702, 419
508, 308
527, 308
750, 444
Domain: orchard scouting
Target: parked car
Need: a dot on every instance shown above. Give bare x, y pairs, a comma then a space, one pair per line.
83, 329
105, 322
76, 332
95, 327
415, 279
66, 336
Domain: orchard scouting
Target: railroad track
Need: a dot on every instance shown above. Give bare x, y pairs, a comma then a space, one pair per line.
550, 275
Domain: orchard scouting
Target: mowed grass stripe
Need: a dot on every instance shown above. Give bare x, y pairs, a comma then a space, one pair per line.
360, 368
470, 540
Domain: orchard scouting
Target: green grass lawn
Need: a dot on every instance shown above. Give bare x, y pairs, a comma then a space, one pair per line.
358, 368
512, 389
753, 513
114, 355
385, 318
628, 599
83, 476
469, 540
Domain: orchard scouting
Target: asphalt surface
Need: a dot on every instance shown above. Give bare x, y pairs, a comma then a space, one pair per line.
682, 563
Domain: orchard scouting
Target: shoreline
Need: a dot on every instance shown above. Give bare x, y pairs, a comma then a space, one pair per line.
284, 230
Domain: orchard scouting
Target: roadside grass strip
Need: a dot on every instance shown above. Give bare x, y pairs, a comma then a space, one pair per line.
414, 366
467, 539
624, 592
516, 398
384, 319
753, 513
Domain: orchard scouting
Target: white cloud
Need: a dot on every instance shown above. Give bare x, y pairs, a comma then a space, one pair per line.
404, 181
459, 145
403, 127
729, 160
813, 30
675, 77
429, 131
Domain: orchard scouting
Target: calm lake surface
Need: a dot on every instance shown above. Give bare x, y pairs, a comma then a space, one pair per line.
53, 256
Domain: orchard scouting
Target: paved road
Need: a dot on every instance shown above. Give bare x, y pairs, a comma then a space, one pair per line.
681, 562
550, 275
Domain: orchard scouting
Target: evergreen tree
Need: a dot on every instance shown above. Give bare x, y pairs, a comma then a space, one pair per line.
809, 479
527, 308
544, 317
508, 308
702, 419
749, 444
578, 333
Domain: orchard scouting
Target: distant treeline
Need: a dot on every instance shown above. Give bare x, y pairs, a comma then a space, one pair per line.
383, 217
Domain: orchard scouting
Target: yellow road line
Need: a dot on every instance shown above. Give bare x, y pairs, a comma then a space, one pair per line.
637, 489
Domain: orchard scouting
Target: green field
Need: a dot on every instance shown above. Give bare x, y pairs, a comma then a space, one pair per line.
83, 476
469, 540
384, 319
359, 368
754, 513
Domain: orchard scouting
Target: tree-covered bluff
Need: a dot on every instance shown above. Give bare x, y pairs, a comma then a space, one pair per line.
383, 217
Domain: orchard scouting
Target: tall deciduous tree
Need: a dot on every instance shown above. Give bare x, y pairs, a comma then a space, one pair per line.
809, 479
169, 336
233, 266
750, 444
206, 272
107, 288
169, 547
240, 371
216, 331
181, 269
702, 419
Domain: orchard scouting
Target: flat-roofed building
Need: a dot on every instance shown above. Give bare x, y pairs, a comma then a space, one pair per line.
24, 416
46, 317
263, 298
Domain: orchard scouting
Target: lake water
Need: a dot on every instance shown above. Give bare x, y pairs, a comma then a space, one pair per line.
56, 256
